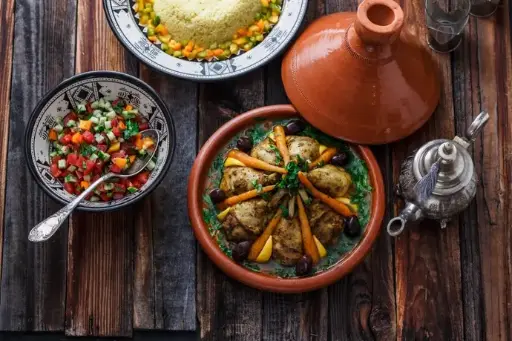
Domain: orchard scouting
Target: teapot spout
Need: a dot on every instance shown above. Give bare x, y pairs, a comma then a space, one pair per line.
410, 213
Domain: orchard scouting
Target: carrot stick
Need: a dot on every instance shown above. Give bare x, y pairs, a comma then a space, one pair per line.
307, 237
280, 138
326, 156
259, 243
244, 196
336, 205
253, 162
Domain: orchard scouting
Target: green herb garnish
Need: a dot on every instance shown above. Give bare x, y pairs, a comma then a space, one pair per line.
132, 128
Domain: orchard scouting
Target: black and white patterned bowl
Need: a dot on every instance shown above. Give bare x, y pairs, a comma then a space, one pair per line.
92, 86
122, 20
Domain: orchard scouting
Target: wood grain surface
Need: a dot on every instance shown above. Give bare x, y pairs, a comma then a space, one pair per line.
99, 299
33, 275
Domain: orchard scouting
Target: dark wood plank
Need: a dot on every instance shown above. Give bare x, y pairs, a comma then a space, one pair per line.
226, 309
6, 40
33, 275
173, 241
99, 299
486, 72
427, 259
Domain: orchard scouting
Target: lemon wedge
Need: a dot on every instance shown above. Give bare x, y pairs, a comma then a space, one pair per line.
322, 149
230, 162
321, 249
266, 252
222, 215
350, 205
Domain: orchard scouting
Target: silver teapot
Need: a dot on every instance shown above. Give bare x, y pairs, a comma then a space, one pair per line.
439, 180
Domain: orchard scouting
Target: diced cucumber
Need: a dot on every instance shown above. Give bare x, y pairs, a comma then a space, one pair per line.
58, 128
71, 168
111, 136
99, 138
94, 120
87, 178
69, 178
132, 189
80, 108
108, 186
94, 199
93, 157
111, 114
151, 165
71, 123
108, 124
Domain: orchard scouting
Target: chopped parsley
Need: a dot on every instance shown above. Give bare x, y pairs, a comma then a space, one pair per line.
132, 129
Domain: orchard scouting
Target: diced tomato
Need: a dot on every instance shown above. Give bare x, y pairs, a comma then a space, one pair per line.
72, 159
114, 122
69, 117
142, 177
102, 147
115, 169
119, 188
118, 196
69, 187
89, 167
116, 131
66, 139
88, 137
54, 169
89, 108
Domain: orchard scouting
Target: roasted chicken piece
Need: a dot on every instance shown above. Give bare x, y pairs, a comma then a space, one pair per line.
246, 220
237, 180
305, 147
325, 224
267, 151
287, 242
332, 180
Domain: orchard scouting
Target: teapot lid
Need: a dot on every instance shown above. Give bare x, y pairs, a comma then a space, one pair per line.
455, 165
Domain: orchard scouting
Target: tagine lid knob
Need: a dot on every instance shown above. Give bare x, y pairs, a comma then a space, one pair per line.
362, 77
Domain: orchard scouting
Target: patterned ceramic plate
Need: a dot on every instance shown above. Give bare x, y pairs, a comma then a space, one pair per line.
121, 17
92, 86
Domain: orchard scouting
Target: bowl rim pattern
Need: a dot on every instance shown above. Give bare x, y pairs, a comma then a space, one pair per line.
142, 52
92, 75
196, 186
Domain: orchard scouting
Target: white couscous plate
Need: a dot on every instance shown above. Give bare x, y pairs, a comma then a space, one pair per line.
122, 20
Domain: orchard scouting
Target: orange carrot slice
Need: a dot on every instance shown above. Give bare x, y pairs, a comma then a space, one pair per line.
259, 243
326, 156
280, 138
244, 196
336, 205
253, 162
307, 237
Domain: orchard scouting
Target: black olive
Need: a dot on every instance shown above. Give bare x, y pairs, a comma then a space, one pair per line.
244, 143
241, 251
217, 195
352, 227
304, 266
294, 127
340, 159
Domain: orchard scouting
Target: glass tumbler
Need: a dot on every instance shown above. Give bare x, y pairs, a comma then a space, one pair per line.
483, 8
445, 22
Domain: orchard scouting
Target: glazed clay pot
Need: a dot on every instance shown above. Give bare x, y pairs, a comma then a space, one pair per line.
196, 188
358, 77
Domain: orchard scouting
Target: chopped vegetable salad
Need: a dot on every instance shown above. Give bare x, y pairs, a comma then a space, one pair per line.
100, 137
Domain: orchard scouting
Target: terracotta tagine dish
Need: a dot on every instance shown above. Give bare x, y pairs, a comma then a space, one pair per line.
360, 77
280, 206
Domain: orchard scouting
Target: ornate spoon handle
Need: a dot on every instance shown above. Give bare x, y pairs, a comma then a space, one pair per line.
47, 228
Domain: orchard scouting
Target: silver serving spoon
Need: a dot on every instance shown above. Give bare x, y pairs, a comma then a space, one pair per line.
47, 228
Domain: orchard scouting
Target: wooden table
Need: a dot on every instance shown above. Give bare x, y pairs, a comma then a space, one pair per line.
139, 268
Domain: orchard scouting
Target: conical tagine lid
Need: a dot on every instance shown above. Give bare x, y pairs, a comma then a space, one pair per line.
358, 77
